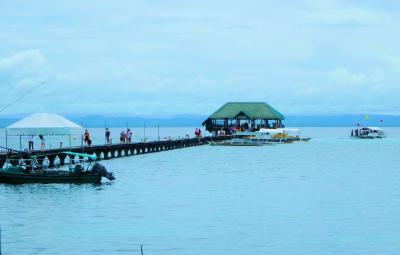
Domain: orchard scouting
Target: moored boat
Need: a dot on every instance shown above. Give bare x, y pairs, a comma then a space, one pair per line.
18, 175
275, 135
78, 171
367, 133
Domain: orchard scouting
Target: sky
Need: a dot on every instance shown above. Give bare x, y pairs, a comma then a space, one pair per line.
171, 57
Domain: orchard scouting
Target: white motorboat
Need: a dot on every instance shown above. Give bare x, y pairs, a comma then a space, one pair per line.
367, 133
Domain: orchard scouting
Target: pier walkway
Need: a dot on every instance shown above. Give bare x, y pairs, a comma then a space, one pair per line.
56, 156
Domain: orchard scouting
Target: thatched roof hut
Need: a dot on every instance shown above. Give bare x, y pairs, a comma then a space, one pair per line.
255, 114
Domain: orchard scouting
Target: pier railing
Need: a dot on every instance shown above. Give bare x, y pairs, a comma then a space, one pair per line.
57, 157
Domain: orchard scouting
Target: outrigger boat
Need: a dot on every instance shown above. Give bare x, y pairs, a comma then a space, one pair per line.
264, 137
83, 170
276, 135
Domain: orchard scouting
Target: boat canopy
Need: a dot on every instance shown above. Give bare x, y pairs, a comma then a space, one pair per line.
43, 124
80, 154
375, 128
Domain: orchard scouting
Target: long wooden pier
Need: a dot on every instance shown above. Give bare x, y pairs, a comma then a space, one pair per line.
109, 151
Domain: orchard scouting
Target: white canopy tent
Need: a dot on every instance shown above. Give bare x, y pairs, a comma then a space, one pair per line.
46, 124
43, 124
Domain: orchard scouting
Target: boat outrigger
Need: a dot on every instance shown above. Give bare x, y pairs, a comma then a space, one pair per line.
238, 142
34, 170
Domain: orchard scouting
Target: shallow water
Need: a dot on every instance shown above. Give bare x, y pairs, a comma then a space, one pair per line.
332, 195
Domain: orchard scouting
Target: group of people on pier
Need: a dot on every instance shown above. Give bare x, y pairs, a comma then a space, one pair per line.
197, 132
125, 137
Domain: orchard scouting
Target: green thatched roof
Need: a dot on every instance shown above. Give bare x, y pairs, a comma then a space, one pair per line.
256, 110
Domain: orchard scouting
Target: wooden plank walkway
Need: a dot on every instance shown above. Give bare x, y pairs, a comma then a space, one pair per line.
111, 151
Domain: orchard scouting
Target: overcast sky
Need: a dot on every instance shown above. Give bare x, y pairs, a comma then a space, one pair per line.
178, 57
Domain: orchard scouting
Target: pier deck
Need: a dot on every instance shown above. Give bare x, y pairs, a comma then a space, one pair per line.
111, 151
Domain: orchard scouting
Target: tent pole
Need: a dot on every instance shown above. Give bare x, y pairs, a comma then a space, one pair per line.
6, 146
6, 137
69, 156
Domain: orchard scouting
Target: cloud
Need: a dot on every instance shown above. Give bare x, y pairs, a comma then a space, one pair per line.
22, 64
341, 90
133, 57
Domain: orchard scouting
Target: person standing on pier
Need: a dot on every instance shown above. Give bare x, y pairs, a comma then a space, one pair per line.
86, 138
122, 137
128, 135
42, 143
108, 136
197, 132
30, 142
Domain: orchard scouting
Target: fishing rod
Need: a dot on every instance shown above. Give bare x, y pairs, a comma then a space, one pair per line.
15, 101
22, 96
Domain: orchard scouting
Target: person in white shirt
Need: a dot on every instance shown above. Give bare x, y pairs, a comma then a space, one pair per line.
30, 142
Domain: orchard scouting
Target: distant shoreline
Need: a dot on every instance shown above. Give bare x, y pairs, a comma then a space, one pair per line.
196, 121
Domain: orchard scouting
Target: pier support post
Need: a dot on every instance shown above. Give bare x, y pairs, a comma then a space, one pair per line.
62, 158
98, 155
105, 153
51, 160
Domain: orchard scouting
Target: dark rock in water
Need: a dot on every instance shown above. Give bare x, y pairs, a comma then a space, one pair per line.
101, 170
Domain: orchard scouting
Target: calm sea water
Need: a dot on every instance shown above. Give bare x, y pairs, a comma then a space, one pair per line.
332, 195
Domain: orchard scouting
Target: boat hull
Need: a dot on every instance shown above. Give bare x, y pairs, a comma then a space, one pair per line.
47, 178
368, 137
235, 144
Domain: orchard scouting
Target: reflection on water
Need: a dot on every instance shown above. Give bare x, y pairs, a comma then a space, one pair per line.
327, 196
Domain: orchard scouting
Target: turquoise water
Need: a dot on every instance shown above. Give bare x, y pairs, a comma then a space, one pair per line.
332, 195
